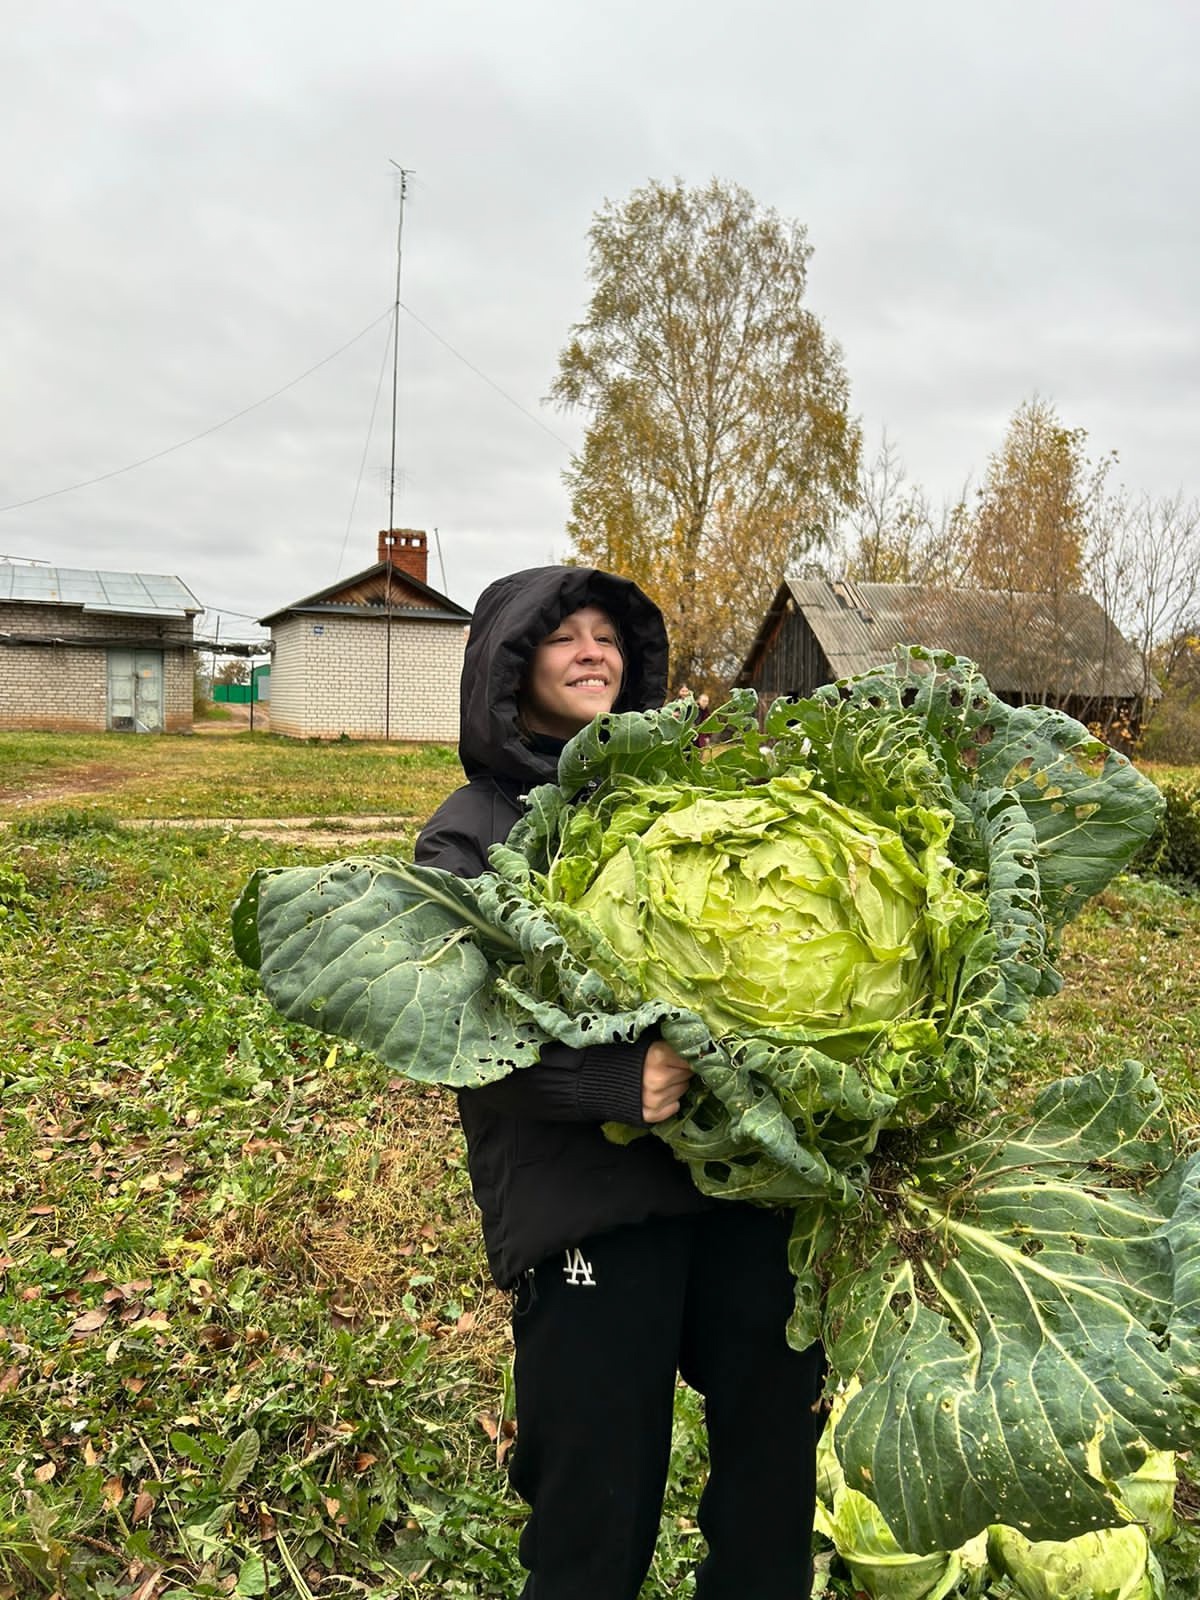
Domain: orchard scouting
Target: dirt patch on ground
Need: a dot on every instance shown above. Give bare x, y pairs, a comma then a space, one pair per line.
349, 833
238, 720
93, 779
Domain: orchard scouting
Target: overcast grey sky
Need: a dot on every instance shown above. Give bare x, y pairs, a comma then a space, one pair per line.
198, 207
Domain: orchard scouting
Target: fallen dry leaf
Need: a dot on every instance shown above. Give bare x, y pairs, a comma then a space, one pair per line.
142, 1507
151, 1588
155, 1319
214, 1337
90, 1321
503, 1434
45, 1472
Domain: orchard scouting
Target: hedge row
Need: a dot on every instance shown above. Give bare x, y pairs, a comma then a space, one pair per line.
1174, 851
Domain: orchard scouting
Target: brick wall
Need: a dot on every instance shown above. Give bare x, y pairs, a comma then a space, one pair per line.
64, 688
289, 669
328, 676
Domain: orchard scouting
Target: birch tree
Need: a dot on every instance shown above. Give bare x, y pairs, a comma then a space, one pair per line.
719, 445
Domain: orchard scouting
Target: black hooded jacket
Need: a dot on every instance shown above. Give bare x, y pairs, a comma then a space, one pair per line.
544, 1175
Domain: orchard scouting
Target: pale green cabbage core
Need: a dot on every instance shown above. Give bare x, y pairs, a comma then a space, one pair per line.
772, 910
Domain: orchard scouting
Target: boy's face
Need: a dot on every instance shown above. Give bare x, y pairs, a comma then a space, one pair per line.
576, 673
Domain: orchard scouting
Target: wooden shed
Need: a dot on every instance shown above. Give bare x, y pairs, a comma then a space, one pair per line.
1061, 650
84, 651
375, 656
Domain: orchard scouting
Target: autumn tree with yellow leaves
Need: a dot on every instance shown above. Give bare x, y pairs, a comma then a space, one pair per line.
1037, 505
1027, 541
720, 447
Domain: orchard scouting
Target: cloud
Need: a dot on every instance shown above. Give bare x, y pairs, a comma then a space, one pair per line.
201, 207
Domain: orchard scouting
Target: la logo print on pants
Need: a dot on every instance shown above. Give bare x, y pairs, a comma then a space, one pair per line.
576, 1270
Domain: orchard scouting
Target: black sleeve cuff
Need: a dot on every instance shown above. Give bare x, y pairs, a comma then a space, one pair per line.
610, 1083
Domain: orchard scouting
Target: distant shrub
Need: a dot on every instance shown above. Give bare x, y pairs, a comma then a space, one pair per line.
1174, 731
1174, 851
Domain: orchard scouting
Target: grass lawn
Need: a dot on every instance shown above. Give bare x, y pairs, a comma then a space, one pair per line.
220, 775
247, 1340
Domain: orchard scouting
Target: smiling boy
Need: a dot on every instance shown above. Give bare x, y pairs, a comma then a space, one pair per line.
622, 1273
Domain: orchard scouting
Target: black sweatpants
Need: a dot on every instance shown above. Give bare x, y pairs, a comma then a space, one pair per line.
600, 1332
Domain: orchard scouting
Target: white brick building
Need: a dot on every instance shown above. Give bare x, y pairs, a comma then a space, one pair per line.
84, 651
376, 656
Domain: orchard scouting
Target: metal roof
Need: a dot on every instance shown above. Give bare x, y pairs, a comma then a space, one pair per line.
125, 594
442, 609
1019, 640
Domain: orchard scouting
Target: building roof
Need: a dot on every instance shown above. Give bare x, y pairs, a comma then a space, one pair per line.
365, 595
124, 594
1019, 640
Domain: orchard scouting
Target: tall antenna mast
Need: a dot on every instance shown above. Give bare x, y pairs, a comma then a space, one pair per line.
405, 174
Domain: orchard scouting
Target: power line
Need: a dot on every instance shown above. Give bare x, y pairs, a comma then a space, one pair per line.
204, 433
245, 616
491, 384
366, 447
102, 477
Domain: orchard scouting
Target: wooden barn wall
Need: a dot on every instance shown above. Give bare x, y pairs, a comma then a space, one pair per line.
793, 663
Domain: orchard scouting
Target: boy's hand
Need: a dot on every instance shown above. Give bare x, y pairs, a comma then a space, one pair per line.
665, 1077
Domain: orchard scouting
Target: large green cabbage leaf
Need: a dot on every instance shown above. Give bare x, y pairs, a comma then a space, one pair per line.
1109, 1564
968, 833
1112, 1563
1020, 1306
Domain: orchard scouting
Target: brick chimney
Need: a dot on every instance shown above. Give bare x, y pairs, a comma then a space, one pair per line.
407, 550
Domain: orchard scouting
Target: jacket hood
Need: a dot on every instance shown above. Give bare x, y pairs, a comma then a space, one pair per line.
511, 618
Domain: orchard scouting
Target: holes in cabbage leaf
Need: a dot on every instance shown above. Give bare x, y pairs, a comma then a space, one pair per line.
900, 1302
1032, 1247
908, 695
718, 1171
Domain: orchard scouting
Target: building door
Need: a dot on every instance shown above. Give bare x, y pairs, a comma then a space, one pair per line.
135, 691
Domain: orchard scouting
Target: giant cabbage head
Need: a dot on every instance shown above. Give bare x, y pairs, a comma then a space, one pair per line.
774, 911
